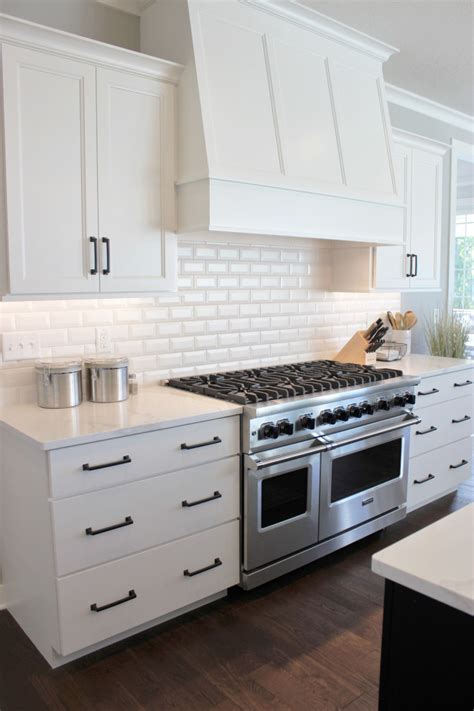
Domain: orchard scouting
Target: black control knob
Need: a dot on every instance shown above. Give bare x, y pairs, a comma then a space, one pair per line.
355, 411
409, 398
341, 414
285, 427
307, 422
367, 408
383, 405
399, 400
327, 417
268, 431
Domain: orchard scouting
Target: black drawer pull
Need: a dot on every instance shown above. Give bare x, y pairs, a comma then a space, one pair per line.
461, 385
128, 522
462, 463
214, 440
463, 419
125, 460
188, 504
93, 270
423, 481
430, 392
106, 241
422, 432
367, 501
131, 596
216, 564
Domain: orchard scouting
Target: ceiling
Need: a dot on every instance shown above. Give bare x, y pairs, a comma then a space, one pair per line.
435, 39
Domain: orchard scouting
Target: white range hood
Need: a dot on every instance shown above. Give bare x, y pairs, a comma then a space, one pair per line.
283, 121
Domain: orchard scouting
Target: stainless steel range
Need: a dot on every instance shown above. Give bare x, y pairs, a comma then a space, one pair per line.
324, 457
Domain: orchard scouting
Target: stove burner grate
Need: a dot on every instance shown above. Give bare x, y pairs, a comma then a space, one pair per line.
254, 385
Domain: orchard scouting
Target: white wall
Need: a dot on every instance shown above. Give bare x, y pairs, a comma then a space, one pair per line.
423, 304
82, 17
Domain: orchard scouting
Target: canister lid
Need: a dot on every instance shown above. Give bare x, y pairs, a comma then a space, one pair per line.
58, 366
106, 362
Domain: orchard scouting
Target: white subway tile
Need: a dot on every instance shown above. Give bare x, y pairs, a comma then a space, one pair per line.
32, 321
53, 337
193, 327
205, 311
229, 282
239, 324
7, 322
181, 312
185, 251
184, 343
270, 255
228, 253
241, 295
205, 282
207, 341
194, 358
156, 345
81, 336
141, 330
92, 317
217, 268
250, 254
228, 339
239, 268
205, 252
168, 329
193, 267
169, 360
159, 314
127, 315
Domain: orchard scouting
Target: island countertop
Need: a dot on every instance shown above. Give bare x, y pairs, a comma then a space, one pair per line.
426, 365
153, 408
437, 561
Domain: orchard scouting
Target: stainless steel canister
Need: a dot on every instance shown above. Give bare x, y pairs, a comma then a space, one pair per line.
106, 378
58, 383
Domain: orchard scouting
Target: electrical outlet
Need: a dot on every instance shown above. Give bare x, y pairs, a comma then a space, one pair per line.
20, 346
103, 339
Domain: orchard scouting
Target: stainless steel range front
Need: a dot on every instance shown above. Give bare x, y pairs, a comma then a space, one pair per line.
325, 457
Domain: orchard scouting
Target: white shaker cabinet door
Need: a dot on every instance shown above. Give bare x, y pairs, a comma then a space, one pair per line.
426, 219
392, 263
51, 178
136, 182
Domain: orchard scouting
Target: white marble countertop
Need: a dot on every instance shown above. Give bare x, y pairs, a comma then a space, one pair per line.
437, 561
426, 365
153, 408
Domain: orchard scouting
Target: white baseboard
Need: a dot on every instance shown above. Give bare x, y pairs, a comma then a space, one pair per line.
2, 600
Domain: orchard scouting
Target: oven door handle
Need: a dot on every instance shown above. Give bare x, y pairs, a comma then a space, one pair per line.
408, 422
256, 463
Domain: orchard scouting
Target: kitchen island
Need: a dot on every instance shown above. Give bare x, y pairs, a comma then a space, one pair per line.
429, 616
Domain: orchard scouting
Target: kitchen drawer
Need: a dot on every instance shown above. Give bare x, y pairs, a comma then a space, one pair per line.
447, 386
434, 473
88, 467
149, 512
441, 424
150, 584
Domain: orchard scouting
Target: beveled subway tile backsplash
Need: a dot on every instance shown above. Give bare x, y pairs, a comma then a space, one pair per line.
237, 305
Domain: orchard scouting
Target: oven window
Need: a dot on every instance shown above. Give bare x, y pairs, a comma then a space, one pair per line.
364, 469
284, 496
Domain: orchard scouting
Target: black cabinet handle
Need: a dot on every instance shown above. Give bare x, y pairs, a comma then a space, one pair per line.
410, 257
423, 481
128, 522
367, 501
93, 240
461, 385
214, 440
88, 468
190, 574
106, 241
462, 463
463, 419
131, 596
429, 392
423, 432
415, 258
188, 504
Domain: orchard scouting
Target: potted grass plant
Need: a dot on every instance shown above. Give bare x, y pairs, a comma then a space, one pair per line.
446, 335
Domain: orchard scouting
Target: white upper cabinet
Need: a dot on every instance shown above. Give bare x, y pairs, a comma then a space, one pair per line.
135, 163
89, 166
415, 264
51, 171
419, 165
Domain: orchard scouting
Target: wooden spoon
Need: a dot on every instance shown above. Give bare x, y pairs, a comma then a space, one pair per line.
391, 320
410, 319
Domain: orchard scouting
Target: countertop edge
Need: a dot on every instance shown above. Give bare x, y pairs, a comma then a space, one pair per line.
119, 432
422, 586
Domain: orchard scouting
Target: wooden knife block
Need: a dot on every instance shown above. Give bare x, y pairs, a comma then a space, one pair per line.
354, 351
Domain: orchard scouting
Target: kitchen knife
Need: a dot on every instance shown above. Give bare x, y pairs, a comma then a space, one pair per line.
378, 334
372, 330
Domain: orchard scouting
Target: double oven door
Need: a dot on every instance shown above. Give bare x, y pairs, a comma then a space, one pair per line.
296, 496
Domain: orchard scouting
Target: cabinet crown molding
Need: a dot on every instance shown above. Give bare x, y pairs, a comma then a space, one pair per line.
40, 37
293, 11
414, 140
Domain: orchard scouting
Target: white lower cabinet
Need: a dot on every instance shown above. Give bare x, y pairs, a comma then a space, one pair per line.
441, 445
93, 554
104, 601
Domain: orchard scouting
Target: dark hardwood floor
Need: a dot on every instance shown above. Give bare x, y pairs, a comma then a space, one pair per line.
310, 640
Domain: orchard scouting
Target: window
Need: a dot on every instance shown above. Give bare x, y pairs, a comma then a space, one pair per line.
464, 263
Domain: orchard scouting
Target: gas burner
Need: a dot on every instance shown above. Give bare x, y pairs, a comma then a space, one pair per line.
279, 382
